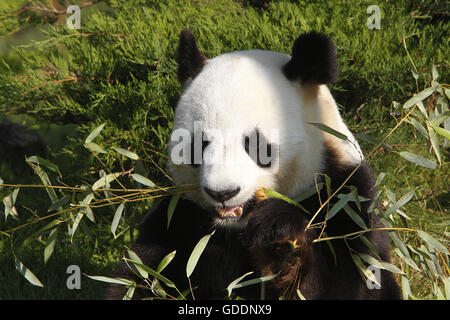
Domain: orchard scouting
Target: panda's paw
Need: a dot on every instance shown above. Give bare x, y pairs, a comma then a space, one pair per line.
274, 222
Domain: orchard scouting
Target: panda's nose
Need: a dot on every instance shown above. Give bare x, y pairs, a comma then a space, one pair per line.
223, 195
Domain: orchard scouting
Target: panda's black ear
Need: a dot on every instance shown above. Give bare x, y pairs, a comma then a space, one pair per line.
190, 59
314, 59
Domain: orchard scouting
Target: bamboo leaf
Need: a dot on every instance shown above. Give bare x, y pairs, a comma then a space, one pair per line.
432, 241
126, 153
441, 131
94, 147
233, 284
43, 162
380, 264
134, 257
153, 273
421, 161
143, 180
129, 294
422, 95
50, 245
116, 218
165, 261
254, 281
329, 130
94, 133
355, 217
27, 274
196, 253
300, 295
100, 183
171, 208
274, 194
400, 203
336, 208
365, 272
406, 289
434, 143
75, 224
121, 281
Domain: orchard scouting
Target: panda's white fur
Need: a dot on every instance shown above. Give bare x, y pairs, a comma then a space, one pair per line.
245, 90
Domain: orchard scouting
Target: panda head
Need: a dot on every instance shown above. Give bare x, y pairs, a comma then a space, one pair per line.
242, 123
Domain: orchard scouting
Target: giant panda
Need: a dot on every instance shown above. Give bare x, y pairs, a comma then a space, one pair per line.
245, 123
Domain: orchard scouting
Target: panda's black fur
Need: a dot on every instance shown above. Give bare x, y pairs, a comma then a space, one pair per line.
274, 240
263, 245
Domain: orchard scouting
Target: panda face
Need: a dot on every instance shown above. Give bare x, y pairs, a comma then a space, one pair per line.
242, 124
239, 126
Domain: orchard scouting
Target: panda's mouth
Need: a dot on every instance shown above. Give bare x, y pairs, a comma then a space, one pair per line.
230, 212
234, 213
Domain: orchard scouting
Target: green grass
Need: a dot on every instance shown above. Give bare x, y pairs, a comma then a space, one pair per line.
124, 63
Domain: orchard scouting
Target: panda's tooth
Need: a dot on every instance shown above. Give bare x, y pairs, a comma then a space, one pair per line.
239, 211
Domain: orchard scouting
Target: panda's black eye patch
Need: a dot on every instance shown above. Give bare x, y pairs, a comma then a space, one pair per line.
259, 149
195, 162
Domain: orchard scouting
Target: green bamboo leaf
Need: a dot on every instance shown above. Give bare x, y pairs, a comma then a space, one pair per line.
355, 217
254, 281
370, 246
196, 253
165, 261
406, 289
36, 234
129, 294
94, 133
329, 130
233, 284
419, 127
46, 163
408, 260
116, 219
27, 274
434, 143
421, 161
143, 180
441, 131
337, 207
126, 153
364, 270
400, 203
447, 288
380, 264
94, 147
300, 295
50, 245
153, 273
100, 183
274, 194
432, 241
134, 257
76, 222
435, 73
379, 179
45, 180
422, 95
60, 203
171, 208
400, 245
121, 281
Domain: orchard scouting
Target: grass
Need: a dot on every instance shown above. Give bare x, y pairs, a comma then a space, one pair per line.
135, 86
